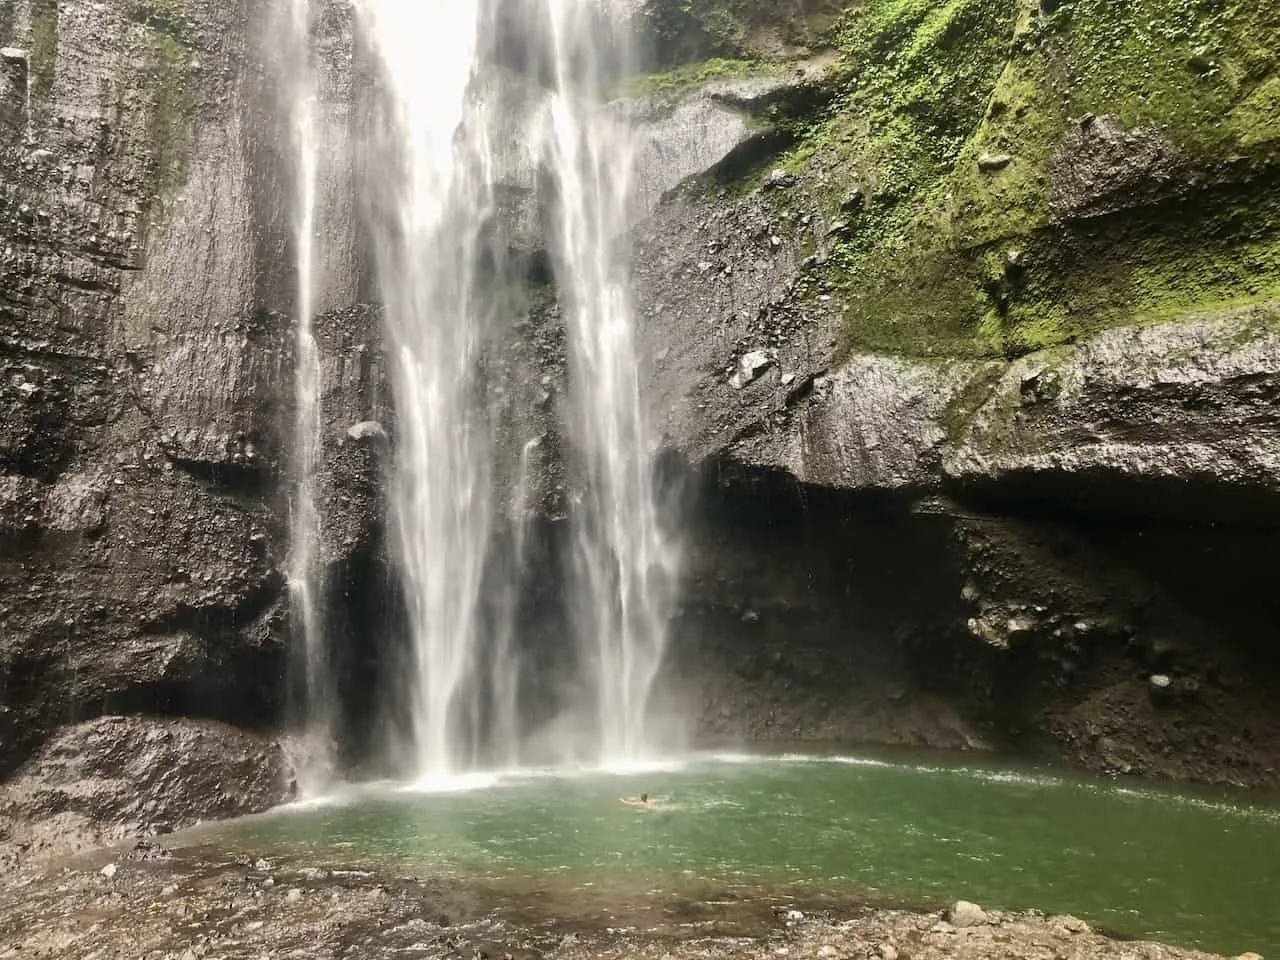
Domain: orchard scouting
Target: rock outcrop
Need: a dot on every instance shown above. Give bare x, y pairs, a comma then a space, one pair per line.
959, 324
1046, 331
119, 777
145, 339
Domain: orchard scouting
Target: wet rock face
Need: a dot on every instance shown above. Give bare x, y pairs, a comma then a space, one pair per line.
806, 616
1135, 646
145, 372
124, 776
1061, 472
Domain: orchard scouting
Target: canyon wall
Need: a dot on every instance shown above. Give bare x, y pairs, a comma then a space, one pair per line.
960, 334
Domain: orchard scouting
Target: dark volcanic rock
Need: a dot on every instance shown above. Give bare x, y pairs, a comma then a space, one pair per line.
132, 776
146, 365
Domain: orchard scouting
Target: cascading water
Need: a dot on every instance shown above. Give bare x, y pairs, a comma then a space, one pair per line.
430, 173
625, 562
428, 170
306, 578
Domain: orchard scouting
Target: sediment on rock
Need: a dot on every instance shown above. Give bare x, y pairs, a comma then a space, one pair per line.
119, 777
132, 905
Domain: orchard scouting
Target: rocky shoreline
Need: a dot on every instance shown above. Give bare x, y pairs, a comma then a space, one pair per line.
145, 901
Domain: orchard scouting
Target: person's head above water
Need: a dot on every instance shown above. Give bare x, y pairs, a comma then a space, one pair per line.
644, 798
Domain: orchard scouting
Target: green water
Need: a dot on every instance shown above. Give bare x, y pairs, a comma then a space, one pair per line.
1187, 869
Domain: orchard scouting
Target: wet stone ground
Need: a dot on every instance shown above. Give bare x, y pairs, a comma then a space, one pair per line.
148, 903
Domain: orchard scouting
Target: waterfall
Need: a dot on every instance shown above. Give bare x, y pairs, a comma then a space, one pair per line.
437, 135
625, 562
429, 175
305, 572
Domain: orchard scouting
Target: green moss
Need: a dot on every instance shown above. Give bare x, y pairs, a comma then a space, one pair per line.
172, 108
1256, 120
685, 31
942, 258
682, 80
165, 42
163, 17
44, 50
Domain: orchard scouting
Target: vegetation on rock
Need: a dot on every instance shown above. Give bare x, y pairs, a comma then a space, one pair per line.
1010, 175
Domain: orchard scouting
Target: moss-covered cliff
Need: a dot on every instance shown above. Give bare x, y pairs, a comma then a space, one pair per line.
1007, 175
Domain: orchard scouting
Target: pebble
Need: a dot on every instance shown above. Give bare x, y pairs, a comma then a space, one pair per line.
293, 896
826, 951
109, 870
991, 162
962, 913
780, 178
887, 951
1073, 924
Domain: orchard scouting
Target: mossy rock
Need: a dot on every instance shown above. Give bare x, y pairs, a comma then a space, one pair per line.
690, 31
1029, 172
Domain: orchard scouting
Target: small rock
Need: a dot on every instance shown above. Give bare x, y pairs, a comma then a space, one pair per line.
12, 53
775, 241
793, 916
1160, 681
853, 201
779, 179
367, 430
991, 162
750, 367
262, 865
962, 913
1202, 61
109, 870
827, 951
788, 379
1248, 956
1073, 924
942, 927
887, 951
293, 896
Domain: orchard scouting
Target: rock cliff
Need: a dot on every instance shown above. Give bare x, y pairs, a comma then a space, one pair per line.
145, 337
1006, 274
961, 333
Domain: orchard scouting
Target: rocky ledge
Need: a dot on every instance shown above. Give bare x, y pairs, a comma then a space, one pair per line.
117, 777
148, 903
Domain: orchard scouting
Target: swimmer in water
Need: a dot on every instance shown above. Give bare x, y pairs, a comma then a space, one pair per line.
641, 801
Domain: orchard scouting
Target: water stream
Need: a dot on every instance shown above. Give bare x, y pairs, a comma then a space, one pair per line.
305, 572
626, 563
430, 187
430, 176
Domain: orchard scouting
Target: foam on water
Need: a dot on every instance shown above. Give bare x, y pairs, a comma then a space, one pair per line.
455, 783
